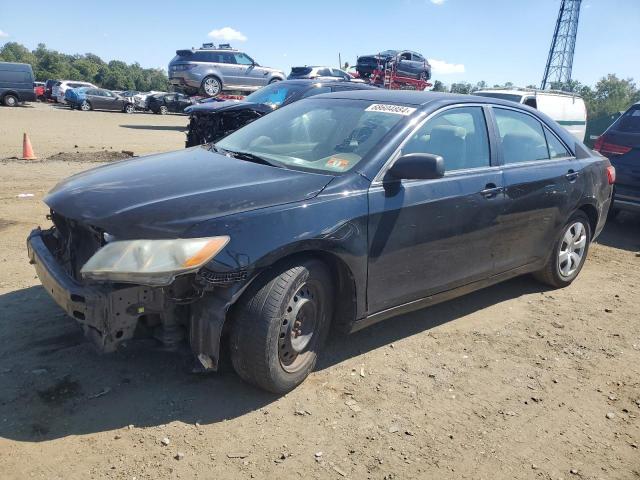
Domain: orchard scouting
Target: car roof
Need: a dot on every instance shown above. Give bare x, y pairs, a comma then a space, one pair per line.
410, 97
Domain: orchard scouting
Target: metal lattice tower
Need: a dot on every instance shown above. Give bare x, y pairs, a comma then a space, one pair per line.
560, 61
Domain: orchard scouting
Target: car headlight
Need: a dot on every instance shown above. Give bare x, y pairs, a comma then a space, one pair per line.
151, 262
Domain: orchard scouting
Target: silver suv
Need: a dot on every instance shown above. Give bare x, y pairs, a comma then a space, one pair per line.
210, 70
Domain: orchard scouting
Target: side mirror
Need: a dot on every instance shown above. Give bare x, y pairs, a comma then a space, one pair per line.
418, 166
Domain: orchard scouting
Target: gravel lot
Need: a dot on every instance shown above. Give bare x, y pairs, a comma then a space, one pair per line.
515, 381
55, 128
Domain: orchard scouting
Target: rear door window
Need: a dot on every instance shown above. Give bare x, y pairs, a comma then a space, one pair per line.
556, 147
458, 135
629, 122
521, 135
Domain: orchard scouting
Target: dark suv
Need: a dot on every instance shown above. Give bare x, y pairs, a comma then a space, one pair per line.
620, 143
16, 84
211, 70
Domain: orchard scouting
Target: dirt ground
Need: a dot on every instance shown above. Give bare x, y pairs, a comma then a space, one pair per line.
55, 128
514, 381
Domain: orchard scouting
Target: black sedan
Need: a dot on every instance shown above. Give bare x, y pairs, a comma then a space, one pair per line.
164, 103
212, 120
343, 209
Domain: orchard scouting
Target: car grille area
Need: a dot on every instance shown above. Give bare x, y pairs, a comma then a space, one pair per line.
73, 243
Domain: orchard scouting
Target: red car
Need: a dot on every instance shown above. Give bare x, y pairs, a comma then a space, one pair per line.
38, 89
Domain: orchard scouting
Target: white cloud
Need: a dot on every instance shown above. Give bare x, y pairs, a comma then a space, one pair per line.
228, 34
3, 34
438, 2
445, 68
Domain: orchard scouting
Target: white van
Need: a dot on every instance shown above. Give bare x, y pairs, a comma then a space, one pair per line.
567, 109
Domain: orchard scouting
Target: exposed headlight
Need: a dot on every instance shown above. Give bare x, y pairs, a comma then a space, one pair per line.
151, 262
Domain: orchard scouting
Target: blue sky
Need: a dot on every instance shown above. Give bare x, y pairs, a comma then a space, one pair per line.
470, 40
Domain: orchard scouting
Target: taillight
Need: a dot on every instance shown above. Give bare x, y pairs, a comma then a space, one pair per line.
611, 174
608, 148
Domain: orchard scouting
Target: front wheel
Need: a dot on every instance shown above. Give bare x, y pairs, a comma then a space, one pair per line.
280, 325
10, 101
129, 108
164, 110
569, 252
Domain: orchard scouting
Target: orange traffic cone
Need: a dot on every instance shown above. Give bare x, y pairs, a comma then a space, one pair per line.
27, 149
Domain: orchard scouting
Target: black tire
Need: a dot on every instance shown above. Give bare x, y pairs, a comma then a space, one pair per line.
552, 273
129, 108
265, 349
163, 110
10, 100
211, 86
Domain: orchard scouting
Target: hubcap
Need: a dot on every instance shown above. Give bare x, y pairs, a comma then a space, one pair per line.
572, 246
211, 86
85, 106
11, 101
298, 327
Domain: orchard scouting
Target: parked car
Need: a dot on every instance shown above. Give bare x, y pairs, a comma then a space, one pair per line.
16, 84
164, 103
48, 89
210, 70
620, 143
407, 64
320, 73
342, 209
568, 109
90, 98
60, 88
211, 121
38, 89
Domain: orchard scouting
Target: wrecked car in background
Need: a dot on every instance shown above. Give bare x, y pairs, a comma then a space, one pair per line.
164, 103
405, 63
210, 121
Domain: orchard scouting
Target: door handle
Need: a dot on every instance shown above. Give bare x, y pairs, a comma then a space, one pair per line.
572, 175
491, 190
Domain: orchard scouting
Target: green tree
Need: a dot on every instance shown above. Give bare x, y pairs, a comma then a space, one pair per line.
461, 87
438, 86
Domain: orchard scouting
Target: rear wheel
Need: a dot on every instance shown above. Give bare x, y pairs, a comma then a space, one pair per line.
85, 106
569, 252
211, 87
10, 100
281, 324
163, 110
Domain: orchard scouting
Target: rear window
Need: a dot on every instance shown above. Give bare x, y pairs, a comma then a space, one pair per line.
629, 122
301, 70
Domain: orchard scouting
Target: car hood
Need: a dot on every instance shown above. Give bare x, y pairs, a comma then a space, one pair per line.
161, 196
227, 106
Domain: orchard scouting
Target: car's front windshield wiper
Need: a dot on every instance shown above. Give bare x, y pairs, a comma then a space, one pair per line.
249, 156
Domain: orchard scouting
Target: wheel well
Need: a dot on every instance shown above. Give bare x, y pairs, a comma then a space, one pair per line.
592, 214
10, 92
344, 284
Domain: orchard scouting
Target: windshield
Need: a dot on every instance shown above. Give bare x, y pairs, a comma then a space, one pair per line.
504, 96
323, 135
274, 94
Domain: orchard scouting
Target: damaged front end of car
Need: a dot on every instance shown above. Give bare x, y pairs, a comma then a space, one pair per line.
118, 290
209, 126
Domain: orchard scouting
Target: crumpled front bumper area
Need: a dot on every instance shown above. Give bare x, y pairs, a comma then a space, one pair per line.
108, 313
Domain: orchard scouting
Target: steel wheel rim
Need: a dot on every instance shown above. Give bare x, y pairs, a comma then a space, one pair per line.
298, 329
572, 247
11, 101
211, 86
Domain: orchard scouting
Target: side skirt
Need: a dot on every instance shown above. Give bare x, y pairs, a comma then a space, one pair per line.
440, 297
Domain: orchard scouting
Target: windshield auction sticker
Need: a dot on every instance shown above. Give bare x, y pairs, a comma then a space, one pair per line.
386, 108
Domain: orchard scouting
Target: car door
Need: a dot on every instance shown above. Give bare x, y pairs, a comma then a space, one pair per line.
542, 183
254, 74
428, 236
169, 101
95, 98
182, 102
111, 101
405, 66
